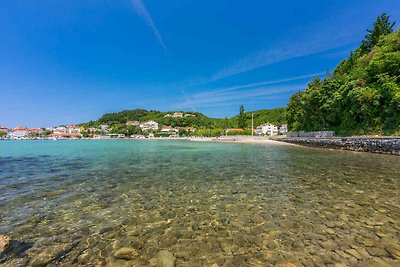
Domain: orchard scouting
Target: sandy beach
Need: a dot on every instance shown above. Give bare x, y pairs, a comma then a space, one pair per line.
249, 140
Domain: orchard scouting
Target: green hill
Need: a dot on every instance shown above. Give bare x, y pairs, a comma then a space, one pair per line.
197, 120
362, 96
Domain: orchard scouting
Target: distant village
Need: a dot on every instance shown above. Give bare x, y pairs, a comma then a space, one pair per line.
149, 129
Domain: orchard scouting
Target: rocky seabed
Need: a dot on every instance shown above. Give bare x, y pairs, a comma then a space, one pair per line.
224, 205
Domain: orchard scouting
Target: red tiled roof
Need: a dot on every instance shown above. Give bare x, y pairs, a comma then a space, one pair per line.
21, 128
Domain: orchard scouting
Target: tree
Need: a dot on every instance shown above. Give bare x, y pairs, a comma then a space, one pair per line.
382, 26
47, 132
361, 97
226, 123
241, 118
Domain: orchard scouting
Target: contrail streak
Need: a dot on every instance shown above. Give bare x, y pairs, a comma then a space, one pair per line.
142, 12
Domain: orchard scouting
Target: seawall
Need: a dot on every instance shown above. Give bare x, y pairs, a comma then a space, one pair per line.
373, 145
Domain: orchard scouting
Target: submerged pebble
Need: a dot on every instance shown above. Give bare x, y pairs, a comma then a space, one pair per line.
4, 241
126, 253
164, 258
145, 204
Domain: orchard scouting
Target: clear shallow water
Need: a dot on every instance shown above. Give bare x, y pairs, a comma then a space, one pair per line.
77, 203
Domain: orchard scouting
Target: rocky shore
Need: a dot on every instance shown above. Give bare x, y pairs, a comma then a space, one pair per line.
373, 145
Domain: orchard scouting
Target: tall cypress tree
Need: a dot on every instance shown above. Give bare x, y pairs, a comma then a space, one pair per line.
241, 118
382, 26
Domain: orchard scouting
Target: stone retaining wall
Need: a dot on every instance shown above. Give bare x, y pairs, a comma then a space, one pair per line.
372, 145
319, 134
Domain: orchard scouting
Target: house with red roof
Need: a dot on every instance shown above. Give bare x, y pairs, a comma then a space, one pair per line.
36, 130
4, 129
19, 132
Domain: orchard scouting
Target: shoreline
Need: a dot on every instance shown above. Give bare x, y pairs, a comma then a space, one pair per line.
376, 145
249, 140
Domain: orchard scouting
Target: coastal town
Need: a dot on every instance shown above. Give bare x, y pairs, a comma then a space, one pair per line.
144, 129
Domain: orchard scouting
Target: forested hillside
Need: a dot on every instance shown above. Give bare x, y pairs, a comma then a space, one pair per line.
362, 96
141, 115
195, 119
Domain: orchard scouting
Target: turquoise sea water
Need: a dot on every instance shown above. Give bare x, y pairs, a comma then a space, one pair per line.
77, 203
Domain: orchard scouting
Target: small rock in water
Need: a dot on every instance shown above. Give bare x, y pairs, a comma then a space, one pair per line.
373, 262
42, 259
4, 241
343, 217
368, 242
354, 253
49, 254
393, 249
329, 245
377, 252
105, 230
165, 258
286, 264
126, 253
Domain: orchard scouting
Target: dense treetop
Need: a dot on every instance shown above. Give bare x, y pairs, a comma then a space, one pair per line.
363, 94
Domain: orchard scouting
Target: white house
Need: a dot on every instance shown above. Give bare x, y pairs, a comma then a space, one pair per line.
188, 129
93, 130
169, 130
3, 129
104, 128
177, 115
73, 129
283, 129
19, 132
267, 129
150, 125
70, 129
132, 123
36, 130
60, 129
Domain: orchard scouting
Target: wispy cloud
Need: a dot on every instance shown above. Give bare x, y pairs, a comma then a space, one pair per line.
142, 12
333, 33
274, 55
201, 100
258, 84
207, 98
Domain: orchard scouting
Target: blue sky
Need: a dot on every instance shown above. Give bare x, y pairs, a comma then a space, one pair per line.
65, 62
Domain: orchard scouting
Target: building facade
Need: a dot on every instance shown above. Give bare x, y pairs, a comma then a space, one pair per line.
4, 129
132, 123
177, 115
267, 129
19, 132
283, 129
148, 126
